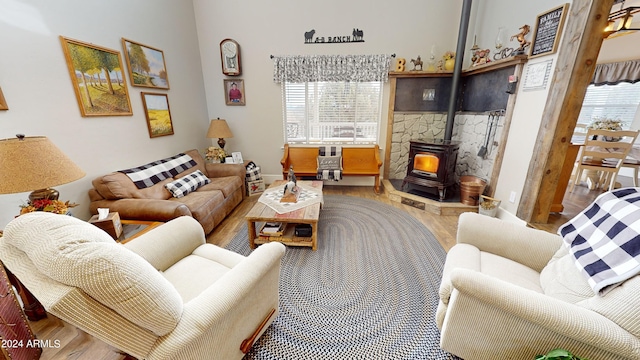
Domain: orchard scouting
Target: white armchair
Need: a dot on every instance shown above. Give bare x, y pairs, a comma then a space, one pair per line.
164, 295
512, 292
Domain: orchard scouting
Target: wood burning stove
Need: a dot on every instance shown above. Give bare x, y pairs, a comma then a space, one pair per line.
432, 164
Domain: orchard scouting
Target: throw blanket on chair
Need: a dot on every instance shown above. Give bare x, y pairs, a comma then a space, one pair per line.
152, 173
329, 163
604, 239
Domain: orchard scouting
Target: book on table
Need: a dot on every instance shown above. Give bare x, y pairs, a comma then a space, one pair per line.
272, 229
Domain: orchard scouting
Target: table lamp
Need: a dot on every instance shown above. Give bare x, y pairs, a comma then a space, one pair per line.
34, 164
218, 128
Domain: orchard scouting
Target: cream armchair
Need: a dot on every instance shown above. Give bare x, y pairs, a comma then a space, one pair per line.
164, 295
512, 292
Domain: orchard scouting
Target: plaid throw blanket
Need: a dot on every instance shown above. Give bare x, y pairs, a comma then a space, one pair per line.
329, 163
152, 173
604, 239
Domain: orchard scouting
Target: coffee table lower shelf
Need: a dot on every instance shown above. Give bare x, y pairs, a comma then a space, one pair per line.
288, 236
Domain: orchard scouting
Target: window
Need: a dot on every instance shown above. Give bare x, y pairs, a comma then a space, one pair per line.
611, 101
324, 112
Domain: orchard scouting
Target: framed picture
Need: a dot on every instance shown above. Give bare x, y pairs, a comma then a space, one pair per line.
548, 29
234, 92
237, 157
3, 102
146, 65
156, 109
98, 81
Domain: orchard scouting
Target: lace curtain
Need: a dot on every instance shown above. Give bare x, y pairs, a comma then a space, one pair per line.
305, 68
615, 73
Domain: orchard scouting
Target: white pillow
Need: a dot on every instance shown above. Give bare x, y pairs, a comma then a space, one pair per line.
188, 183
330, 162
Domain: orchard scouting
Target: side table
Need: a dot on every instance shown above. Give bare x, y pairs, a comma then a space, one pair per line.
17, 336
131, 229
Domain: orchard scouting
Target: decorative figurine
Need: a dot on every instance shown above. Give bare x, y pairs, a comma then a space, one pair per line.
417, 62
292, 175
524, 30
480, 57
291, 190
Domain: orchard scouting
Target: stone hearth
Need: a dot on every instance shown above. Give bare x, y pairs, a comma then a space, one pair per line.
451, 206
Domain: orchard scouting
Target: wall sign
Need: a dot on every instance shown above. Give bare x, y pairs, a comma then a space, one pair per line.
548, 28
537, 75
356, 35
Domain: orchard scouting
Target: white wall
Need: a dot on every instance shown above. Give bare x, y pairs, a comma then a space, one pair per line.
529, 107
36, 84
277, 28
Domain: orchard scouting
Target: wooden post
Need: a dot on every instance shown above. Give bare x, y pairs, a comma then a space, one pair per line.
574, 70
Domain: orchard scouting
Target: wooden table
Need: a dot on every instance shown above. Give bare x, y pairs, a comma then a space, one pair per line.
131, 229
261, 213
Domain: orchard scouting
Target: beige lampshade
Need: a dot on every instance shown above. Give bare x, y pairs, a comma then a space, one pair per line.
33, 163
218, 128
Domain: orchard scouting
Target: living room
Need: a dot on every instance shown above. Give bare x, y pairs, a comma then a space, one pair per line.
189, 33
189, 40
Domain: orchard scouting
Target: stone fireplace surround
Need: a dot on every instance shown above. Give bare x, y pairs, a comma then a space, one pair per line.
469, 129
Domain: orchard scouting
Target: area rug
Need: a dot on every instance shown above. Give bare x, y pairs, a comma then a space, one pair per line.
370, 291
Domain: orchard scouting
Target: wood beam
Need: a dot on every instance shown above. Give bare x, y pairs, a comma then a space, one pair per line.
574, 69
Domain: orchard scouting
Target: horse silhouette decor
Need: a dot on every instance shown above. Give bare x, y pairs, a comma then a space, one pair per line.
357, 35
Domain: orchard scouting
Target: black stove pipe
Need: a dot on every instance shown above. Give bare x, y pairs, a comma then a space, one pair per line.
457, 70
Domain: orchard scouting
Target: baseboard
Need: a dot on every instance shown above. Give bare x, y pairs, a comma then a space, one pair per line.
346, 181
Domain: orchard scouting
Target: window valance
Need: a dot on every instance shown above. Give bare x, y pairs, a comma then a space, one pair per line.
306, 68
615, 73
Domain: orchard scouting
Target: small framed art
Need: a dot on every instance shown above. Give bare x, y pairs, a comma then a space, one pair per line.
3, 102
146, 65
234, 92
237, 157
156, 109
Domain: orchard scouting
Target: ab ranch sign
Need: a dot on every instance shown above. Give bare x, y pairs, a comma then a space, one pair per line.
356, 35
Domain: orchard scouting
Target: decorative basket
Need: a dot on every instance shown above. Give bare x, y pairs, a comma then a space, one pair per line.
488, 206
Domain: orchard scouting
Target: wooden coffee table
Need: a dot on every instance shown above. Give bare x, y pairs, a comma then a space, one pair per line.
261, 213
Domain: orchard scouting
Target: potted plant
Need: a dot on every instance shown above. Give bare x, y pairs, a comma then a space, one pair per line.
558, 354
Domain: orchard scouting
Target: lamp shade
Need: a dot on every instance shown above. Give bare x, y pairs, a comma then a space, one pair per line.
32, 163
218, 128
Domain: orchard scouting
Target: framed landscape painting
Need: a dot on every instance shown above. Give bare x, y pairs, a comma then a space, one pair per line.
156, 109
96, 74
146, 65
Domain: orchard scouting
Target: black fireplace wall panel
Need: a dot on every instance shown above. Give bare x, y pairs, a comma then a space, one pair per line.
478, 92
409, 93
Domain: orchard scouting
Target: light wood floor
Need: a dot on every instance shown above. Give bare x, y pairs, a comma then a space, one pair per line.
75, 344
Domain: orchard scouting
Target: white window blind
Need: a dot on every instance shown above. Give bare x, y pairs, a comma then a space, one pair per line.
324, 112
618, 102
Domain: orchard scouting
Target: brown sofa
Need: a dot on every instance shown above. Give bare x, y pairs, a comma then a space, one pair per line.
209, 204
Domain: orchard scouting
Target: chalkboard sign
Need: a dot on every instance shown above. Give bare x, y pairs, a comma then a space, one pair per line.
548, 28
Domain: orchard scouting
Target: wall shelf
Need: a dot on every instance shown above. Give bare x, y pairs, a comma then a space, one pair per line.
491, 66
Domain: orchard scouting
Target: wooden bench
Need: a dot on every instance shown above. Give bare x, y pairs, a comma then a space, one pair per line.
356, 161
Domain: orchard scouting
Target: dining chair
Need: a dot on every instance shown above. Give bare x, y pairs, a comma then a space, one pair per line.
604, 151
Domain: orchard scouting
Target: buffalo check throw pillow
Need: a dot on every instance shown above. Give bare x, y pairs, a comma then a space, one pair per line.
187, 184
604, 239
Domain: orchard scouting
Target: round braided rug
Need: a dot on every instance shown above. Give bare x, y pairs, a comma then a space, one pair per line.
370, 291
